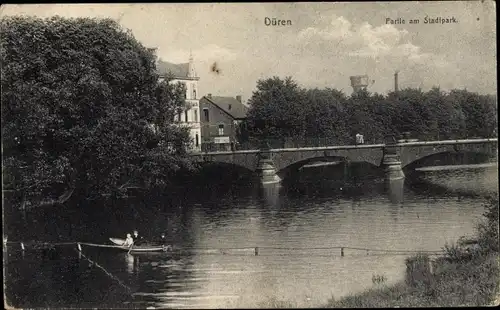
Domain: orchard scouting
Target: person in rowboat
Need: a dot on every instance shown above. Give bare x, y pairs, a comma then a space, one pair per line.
138, 240
161, 240
128, 241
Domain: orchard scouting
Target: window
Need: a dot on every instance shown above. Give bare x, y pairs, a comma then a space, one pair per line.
186, 115
195, 115
197, 140
205, 113
221, 129
179, 116
194, 92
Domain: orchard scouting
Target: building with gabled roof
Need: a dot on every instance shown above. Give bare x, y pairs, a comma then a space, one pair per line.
220, 119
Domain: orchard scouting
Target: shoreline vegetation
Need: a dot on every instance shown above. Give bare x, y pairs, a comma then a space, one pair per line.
467, 274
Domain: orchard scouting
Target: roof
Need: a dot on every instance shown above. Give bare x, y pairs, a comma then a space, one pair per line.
230, 105
178, 70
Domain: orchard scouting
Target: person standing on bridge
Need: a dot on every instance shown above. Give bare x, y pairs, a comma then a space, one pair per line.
359, 139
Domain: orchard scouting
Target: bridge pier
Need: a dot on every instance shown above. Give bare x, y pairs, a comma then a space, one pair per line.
266, 169
392, 165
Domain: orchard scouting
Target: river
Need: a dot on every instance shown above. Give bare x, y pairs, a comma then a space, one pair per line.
281, 221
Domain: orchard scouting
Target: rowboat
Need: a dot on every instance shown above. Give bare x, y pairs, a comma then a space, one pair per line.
117, 241
133, 248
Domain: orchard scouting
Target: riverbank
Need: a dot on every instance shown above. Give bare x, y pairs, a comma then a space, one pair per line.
473, 283
464, 276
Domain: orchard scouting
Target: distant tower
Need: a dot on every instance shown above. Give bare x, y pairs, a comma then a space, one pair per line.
191, 70
359, 82
396, 81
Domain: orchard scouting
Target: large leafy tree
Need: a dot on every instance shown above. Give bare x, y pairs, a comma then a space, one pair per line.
83, 109
277, 109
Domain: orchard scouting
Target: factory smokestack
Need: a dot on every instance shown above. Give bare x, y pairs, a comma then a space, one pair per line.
396, 81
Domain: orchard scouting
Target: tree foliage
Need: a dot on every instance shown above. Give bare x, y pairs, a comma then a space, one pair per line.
278, 108
83, 108
282, 109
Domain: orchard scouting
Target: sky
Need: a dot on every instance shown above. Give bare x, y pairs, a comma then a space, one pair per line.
325, 44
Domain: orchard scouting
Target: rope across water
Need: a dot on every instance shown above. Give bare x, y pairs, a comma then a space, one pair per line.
259, 250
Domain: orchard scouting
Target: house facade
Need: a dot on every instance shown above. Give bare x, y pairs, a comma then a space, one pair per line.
185, 73
219, 119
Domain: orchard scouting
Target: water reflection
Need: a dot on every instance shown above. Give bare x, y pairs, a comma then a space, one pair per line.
271, 194
130, 263
395, 189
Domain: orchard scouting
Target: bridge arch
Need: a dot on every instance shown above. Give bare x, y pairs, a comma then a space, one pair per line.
334, 160
412, 155
449, 158
247, 160
285, 159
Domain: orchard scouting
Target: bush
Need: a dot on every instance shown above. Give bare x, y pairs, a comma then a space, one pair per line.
418, 271
488, 229
379, 279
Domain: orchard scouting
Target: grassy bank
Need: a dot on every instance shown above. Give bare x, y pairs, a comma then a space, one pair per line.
467, 275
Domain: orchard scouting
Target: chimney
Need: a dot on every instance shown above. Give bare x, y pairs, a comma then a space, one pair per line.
209, 96
396, 81
238, 98
229, 107
191, 71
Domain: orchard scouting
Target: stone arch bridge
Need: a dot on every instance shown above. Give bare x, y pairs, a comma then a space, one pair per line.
392, 157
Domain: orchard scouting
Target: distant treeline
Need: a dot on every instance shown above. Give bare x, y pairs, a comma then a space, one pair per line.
281, 110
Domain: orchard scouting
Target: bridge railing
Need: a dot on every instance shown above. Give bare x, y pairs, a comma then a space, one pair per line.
279, 143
